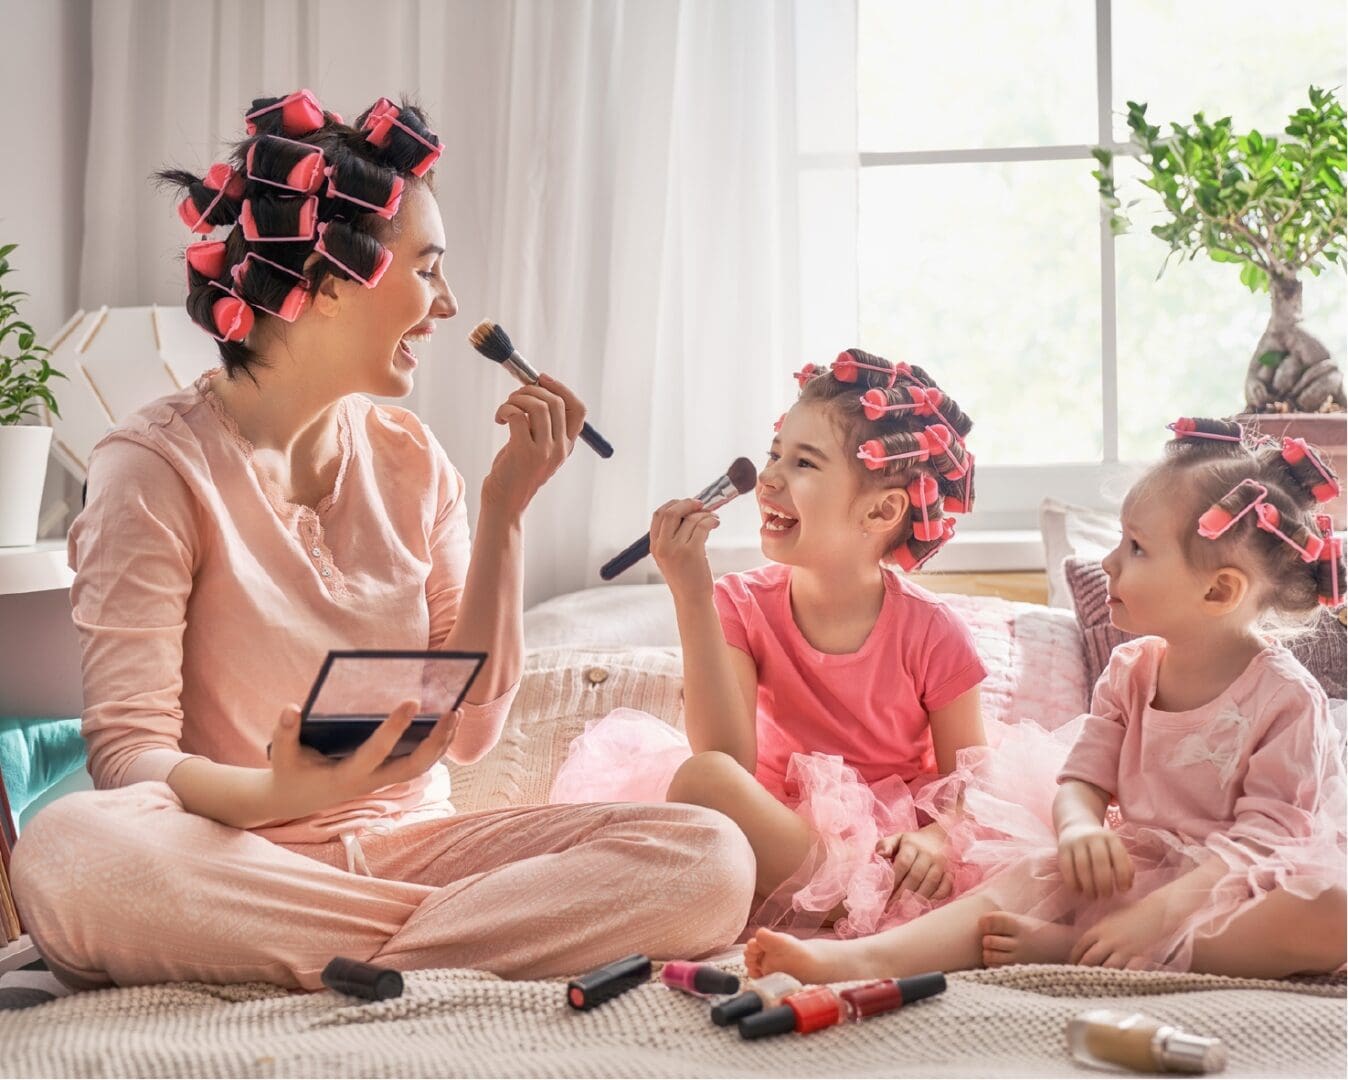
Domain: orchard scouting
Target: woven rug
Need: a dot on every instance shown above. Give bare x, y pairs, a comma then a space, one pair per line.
994, 1023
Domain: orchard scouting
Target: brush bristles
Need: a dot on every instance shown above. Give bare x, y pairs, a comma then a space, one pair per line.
491, 341
742, 474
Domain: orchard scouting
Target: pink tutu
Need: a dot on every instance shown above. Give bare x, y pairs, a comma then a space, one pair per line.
1005, 834
631, 756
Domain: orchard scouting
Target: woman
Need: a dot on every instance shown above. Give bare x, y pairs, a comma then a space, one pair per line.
238, 530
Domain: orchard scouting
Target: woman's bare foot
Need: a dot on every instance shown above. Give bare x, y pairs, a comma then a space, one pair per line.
1019, 939
819, 960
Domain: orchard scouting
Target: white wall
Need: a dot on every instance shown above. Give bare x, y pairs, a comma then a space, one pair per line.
45, 78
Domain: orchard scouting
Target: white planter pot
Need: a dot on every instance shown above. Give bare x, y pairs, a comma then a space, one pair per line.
23, 470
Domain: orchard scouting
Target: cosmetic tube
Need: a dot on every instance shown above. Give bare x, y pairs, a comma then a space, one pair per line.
1113, 1037
705, 980
766, 993
607, 982
821, 1007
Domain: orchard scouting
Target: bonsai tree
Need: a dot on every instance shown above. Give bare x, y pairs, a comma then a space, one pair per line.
1274, 207
23, 374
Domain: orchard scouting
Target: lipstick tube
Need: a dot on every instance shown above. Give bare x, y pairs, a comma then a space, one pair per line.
822, 1007
766, 993
608, 982
704, 980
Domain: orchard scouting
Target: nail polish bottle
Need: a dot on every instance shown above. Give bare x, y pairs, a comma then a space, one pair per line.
704, 980
764, 993
821, 1007
1112, 1037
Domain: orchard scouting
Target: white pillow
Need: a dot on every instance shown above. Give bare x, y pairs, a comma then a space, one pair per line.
1070, 531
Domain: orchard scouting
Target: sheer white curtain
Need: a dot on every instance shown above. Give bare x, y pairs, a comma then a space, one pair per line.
621, 189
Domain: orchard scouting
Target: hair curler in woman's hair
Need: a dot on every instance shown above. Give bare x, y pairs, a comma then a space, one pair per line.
267, 220
285, 164
355, 254
295, 114
205, 261
221, 312
268, 286
365, 186
408, 144
211, 200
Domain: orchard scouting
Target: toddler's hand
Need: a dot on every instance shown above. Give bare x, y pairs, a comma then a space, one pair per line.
679, 545
1093, 860
919, 863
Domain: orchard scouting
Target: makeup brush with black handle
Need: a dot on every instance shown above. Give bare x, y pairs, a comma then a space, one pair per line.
494, 343
738, 479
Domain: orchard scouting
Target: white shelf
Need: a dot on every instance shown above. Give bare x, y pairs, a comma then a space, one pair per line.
17, 954
36, 568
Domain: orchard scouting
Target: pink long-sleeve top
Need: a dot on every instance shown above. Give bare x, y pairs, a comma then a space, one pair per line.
205, 602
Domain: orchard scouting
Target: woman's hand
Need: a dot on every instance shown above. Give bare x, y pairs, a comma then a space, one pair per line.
919, 862
679, 532
1093, 860
544, 421
303, 781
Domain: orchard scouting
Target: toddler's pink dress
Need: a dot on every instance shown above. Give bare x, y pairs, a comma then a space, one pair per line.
1254, 779
843, 739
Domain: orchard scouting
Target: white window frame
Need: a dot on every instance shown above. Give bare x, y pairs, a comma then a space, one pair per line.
1009, 496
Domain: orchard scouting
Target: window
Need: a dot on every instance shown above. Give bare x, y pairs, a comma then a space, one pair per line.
979, 247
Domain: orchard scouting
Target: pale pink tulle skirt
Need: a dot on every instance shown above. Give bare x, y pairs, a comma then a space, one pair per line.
631, 756
1005, 835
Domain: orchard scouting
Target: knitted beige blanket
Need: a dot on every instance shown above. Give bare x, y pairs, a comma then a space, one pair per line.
459, 1023
462, 1023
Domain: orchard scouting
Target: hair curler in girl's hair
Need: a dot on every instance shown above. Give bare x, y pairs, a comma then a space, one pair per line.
924, 493
912, 553
920, 400
285, 164
1303, 541
1329, 569
850, 362
295, 114
1309, 470
1193, 427
211, 200
1230, 508
808, 372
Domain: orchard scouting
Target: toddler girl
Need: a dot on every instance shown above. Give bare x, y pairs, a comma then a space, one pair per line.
1226, 851
823, 690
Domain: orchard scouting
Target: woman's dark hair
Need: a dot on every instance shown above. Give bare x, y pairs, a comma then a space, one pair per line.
1218, 468
302, 181
883, 410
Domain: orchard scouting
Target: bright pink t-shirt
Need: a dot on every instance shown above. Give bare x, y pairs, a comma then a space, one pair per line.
871, 706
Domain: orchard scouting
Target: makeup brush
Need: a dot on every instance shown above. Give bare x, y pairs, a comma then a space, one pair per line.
739, 478
494, 343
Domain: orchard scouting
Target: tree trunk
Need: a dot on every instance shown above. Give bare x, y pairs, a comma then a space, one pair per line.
1299, 376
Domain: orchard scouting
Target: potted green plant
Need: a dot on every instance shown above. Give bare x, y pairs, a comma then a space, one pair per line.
1274, 207
24, 373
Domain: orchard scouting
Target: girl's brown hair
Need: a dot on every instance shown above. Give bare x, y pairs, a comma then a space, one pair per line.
884, 410
1226, 473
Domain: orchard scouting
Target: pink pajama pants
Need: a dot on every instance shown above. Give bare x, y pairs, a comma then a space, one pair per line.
126, 887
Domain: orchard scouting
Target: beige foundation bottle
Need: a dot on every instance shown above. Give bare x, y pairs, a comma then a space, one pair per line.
1133, 1040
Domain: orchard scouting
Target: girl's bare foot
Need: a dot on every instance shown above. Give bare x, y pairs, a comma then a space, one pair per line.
819, 960
1019, 939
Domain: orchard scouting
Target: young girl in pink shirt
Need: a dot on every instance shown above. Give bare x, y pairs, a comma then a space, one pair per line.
1199, 816
823, 690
